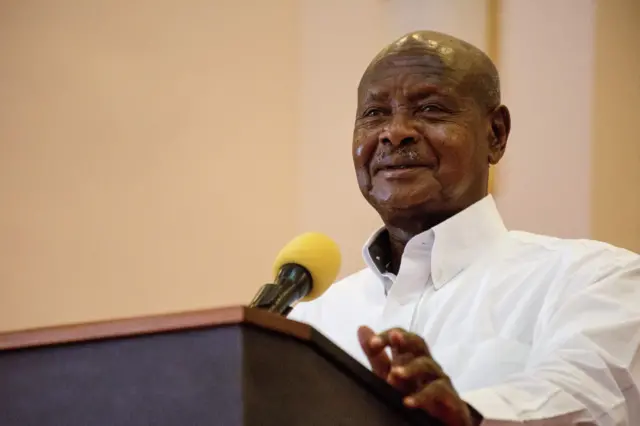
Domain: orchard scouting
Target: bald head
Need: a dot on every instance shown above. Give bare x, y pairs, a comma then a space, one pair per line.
470, 66
428, 125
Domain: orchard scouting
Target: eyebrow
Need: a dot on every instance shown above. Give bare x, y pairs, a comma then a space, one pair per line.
375, 96
413, 94
422, 91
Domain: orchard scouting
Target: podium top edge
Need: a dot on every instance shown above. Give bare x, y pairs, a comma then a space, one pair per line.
153, 324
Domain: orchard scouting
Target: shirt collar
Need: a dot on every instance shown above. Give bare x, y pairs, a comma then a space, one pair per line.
447, 248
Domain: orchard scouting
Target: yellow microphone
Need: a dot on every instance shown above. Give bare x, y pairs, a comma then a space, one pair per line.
304, 269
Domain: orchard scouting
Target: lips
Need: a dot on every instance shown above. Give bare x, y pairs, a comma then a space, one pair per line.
400, 166
402, 172
397, 165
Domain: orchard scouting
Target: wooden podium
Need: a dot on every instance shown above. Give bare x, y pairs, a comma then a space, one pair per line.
224, 367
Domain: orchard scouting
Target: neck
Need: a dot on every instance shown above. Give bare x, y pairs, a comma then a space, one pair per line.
401, 232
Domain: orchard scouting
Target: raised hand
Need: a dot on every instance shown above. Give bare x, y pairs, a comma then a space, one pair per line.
413, 372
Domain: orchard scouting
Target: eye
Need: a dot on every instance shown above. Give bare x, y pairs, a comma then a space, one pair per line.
373, 112
431, 108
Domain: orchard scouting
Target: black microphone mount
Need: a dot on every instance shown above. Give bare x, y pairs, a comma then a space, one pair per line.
292, 284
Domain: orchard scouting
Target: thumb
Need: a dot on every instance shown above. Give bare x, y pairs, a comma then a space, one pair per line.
375, 352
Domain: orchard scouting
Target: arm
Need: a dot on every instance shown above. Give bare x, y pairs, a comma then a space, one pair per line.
584, 367
585, 362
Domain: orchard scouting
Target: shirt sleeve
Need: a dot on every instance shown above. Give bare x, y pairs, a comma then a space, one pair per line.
584, 367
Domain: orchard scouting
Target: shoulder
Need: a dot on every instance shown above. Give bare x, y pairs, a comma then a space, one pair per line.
571, 275
573, 256
572, 248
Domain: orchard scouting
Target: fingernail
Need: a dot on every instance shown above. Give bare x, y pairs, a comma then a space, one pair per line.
400, 371
375, 341
411, 402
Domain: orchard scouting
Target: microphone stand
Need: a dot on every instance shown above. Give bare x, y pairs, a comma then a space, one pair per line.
292, 284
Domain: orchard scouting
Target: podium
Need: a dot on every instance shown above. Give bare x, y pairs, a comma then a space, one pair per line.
224, 367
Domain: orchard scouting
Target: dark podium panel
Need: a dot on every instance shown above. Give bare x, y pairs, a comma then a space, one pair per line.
225, 367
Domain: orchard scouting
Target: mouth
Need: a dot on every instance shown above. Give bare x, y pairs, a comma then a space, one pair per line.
401, 170
401, 167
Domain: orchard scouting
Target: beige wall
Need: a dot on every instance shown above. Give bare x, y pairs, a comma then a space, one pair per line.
572, 167
155, 155
615, 202
335, 49
147, 154
573, 162
545, 60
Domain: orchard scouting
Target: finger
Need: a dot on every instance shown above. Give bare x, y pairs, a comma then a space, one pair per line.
370, 342
402, 385
415, 375
402, 341
399, 359
378, 358
441, 401
420, 370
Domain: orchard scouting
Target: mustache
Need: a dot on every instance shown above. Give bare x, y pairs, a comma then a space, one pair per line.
402, 157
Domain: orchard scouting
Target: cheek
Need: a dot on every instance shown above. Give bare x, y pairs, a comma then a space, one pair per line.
364, 146
456, 148
460, 166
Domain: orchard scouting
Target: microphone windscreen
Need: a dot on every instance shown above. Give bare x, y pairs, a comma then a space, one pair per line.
318, 254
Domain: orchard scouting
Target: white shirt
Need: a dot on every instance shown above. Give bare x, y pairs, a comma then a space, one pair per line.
529, 328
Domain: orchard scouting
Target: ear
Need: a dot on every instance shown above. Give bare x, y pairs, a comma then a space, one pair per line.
500, 128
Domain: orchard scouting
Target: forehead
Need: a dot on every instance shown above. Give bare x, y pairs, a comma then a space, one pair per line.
406, 73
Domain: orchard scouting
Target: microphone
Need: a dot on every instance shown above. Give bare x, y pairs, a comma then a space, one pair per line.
304, 269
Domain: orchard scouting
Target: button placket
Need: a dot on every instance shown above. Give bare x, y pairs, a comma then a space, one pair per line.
405, 294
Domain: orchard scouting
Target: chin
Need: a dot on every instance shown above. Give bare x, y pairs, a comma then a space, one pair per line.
408, 204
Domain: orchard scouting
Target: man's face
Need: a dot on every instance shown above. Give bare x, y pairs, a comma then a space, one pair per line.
420, 141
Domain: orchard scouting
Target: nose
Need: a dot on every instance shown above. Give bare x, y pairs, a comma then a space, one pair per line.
399, 132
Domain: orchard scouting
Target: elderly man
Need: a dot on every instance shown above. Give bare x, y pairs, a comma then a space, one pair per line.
524, 328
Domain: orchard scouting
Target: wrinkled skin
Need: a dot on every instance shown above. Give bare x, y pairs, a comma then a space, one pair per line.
412, 371
429, 123
428, 101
